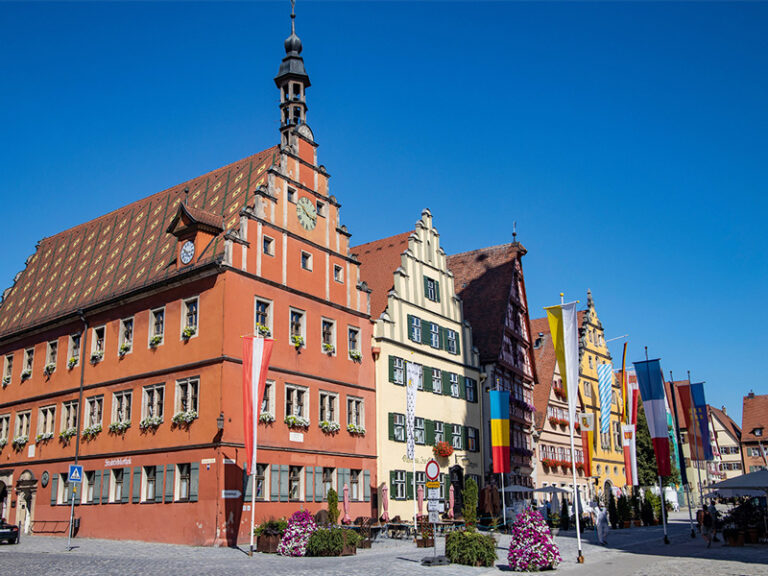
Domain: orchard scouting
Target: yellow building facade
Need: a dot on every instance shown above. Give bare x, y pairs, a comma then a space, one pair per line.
607, 452
419, 320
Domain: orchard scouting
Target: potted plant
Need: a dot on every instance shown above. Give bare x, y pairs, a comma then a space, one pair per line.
65, 435
20, 441
49, 369
150, 423
296, 421
329, 427
91, 431
266, 418
470, 548
188, 332
355, 429
44, 437
333, 541
119, 427
624, 511
553, 520
155, 341
125, 347
3, 442
300, 527
96, 356
553, 421
268, 535
427, 535
297, 341
333, 506
442, 449
329, 348
263, 330
6, 381
26, 374
356, 356
532, 547
184, 417
72, 362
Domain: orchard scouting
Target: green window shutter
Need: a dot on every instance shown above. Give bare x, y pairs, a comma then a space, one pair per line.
194, 481
391, 368
426, 330
169, 485
105, 486
318, 483
429, 432
366, 486
443, 339
477, 440
343, 480
462, 389
437, 291
426, 378
464, 437
284, 489
426, 284
391, 426
126, 495
409, 486
446, 376
458, 342
392, 490
158, 483
247, 484
78, 492
54, 489
308, 483
274, 483
409, 327
136, 484
97, 487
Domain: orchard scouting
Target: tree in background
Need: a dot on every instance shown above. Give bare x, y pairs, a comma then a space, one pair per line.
565, 517
613, 512
647, 472
333, 506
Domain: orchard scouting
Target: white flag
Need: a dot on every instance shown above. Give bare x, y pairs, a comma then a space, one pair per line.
413, 382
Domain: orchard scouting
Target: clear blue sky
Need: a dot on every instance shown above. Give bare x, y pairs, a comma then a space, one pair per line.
627, 140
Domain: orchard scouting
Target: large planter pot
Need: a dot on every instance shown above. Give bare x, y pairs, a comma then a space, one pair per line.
268, 543
753, 536
554, 531
349, 550
627, 523
425, 542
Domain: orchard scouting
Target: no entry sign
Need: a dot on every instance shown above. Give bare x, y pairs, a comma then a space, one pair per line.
432, 470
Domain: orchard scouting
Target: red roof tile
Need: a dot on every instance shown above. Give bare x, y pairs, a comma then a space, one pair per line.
754, 415
727, 422
546, 361
125, 249
483, 280
378, 262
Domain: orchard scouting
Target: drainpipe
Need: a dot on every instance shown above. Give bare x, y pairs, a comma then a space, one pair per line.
83, 344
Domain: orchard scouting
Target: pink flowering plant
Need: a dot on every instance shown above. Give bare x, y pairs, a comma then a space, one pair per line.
301, 525
532, 548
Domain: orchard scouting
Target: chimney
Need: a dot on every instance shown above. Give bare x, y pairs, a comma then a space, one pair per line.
724, 410
751, 394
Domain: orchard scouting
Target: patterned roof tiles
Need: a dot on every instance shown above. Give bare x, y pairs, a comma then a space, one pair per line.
378, 262
126, 249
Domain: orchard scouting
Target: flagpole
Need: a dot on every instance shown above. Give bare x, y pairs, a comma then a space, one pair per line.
695, 424
680, 452
661, 487
253, 469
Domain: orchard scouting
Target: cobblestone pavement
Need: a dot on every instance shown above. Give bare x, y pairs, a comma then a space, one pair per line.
633, 552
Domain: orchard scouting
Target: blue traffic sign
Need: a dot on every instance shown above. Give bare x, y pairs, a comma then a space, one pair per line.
75, 473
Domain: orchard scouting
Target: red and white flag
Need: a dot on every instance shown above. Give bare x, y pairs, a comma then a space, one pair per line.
256, 353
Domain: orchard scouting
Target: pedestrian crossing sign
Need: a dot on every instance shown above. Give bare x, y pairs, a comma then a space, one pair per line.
75, 473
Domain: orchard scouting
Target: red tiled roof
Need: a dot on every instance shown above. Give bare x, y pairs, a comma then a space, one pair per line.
378, 262
483, 280
754, 415
727, 422
126, 249
546, 360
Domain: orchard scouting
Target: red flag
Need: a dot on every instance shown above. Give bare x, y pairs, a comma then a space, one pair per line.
256, 353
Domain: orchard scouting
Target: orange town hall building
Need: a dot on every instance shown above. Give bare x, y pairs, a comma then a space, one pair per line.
121, 340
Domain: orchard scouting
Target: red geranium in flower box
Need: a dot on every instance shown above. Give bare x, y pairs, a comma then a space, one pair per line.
442, 449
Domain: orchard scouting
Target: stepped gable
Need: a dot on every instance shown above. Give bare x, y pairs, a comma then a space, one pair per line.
128, 248
483, 280
378, 262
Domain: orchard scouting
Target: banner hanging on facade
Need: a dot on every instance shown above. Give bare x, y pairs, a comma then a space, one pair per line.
564, 327
587, 425
499, 404
605, 388
256, 354
629, 445
651, 384
413, 383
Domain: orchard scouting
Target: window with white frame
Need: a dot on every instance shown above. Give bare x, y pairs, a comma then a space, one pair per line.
187, 390
149, 483
355, 412
268, 246
295, 401
420, 382
22, 424
451, 341
52, 353
353, 339
437, 381
414, 330
74, 350
297, 325
29, 360
116, 485
472, 439
306, 260
454, 385
294, 483
421, 479
338, 273
328, 407
5, 427
93, 410
7, 369
457, 437
89, 481
328, 334
268, 400
183, 483
328, 480
69, 416
156, 326
64, 490
125, 344
439, 431
97, 341
263, 317
46, 423
190, 317
398, 370
354, 485
430, 289
153, 400
434, 335
261, 481
418, 435
398, 421
291, 195
587, 390
398, 485
121, 407
470, 387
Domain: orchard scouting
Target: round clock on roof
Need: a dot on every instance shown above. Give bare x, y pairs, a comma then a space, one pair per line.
187, 252
307, 213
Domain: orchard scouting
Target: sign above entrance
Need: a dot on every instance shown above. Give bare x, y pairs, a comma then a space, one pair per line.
432, 470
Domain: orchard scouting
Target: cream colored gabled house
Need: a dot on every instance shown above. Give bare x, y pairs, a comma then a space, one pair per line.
419, 320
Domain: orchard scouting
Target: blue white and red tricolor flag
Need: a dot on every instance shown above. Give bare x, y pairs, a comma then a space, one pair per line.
256, 353
651, 384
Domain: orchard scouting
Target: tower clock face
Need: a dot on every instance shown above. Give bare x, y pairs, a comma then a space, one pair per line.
187, 252
307, 213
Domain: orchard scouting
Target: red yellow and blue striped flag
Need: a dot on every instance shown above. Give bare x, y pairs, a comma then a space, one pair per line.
499, 401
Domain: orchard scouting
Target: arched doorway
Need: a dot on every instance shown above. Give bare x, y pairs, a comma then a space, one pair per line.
607, 490
26, 491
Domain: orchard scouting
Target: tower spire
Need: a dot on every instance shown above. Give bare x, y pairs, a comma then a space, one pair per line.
292, 80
